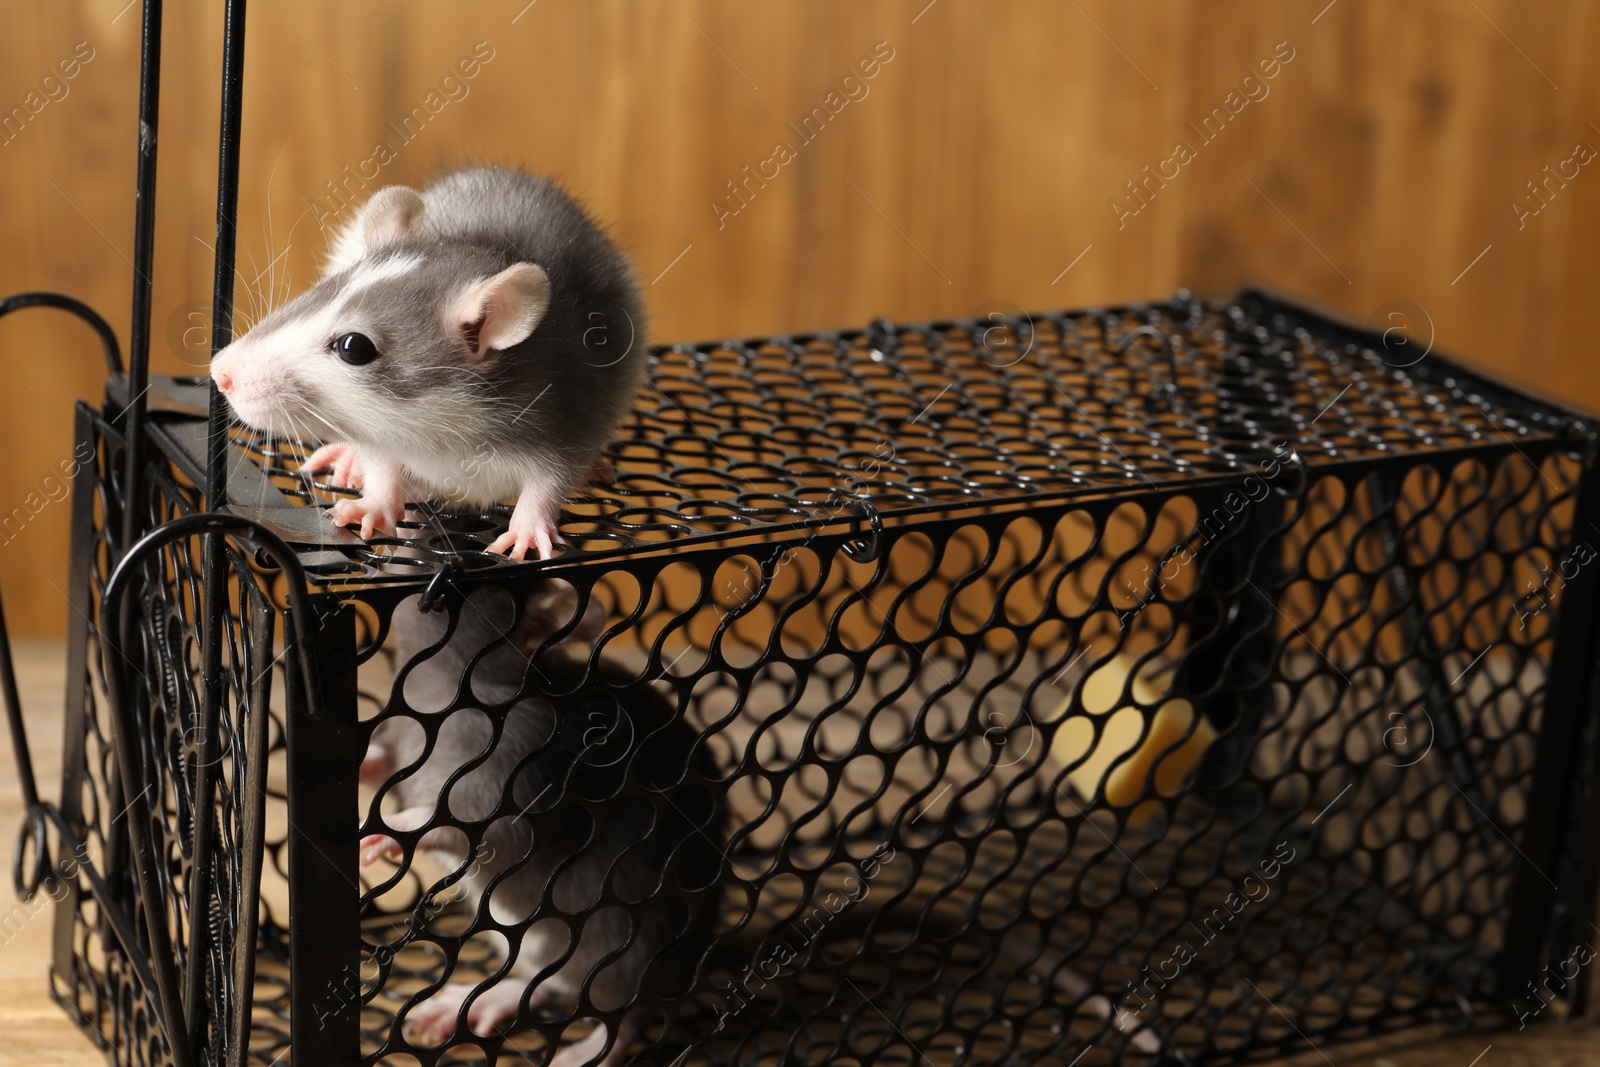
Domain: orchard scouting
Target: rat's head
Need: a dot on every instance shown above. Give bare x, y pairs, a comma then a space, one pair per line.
396, 341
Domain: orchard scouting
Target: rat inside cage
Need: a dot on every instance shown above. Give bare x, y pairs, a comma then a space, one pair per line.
1165, 683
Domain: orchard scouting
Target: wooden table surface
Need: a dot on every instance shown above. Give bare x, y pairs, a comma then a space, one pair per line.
33, 1030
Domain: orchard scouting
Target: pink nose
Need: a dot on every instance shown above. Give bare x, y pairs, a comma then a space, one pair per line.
224, 380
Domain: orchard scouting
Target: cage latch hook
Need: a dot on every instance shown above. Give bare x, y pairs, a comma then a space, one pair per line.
1288, 456
1165, 393
432, 598
859, 549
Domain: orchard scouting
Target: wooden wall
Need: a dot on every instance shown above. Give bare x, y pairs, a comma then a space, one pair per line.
977, 168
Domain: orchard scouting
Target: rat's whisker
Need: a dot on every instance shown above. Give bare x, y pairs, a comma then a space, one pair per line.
238, 275
302, 435
248, 313
252, 287
272, 283
327, 423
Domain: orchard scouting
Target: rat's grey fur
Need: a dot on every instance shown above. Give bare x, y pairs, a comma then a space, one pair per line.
617, 809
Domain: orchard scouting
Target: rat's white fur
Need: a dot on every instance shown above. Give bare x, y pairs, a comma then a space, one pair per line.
371, 274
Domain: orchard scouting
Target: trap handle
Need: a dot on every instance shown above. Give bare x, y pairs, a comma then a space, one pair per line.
28, 880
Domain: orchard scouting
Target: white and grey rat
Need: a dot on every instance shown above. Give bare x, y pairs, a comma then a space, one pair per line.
565, 841
597, 810
476, 342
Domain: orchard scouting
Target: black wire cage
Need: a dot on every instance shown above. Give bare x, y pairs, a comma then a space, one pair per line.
1168, 683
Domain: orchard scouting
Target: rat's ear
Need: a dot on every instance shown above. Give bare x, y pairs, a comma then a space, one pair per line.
393, 212
502, 311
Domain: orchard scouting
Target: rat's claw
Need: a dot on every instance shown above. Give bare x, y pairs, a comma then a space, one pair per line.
344, 460
515, 542
372, 516
374, 846
434, 1020
496, 1008
532, 525
377, 846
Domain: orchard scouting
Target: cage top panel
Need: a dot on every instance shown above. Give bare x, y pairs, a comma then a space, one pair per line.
991, 409
782, 433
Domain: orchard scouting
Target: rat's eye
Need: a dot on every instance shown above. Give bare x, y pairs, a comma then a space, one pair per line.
356, 349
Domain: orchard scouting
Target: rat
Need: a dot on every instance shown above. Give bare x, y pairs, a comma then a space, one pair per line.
476, 342
592, 796
530, 845
584, 738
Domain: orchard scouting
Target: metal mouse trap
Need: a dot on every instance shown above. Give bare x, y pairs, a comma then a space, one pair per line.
1167, 683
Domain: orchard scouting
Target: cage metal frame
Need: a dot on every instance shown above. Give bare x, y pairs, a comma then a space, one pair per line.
143, 513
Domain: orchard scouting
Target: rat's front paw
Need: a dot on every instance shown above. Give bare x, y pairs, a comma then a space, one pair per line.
434, 1020
493, 1011
373, 515
538, 534
532, 525
380, 846
344, 461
